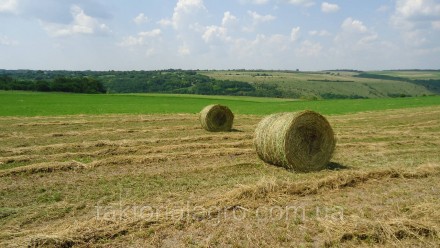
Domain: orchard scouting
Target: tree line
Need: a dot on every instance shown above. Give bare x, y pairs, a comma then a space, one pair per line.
184, 82
59, 84
165, 81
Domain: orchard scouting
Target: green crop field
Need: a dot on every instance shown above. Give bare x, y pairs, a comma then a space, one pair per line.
51, 104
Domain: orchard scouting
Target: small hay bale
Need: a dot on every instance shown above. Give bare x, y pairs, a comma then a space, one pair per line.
216, 118
301, 141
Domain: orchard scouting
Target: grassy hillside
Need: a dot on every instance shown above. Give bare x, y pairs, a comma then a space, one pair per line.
418, 74
44, 104
162, 181
333, 84
280, 84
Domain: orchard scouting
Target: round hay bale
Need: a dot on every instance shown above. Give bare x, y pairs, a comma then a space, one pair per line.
301, 141
216, 118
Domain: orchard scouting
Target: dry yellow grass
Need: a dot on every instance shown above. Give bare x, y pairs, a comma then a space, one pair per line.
160, 180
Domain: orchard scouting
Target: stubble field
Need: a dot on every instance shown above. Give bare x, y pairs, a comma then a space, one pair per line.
160, 180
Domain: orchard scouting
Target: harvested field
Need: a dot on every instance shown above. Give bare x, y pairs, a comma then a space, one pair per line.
161, 180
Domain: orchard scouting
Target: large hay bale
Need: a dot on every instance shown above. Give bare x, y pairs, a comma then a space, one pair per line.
301, 141
216, 118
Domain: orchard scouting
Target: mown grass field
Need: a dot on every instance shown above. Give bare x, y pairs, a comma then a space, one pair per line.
78, 171
314, 84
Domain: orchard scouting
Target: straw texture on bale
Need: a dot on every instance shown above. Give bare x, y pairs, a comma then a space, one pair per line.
301, 141
216, 118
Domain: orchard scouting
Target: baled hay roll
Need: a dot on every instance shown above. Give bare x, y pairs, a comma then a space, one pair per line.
301, 141
216, 118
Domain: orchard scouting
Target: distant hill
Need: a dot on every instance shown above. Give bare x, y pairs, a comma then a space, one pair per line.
338, 84
341, 83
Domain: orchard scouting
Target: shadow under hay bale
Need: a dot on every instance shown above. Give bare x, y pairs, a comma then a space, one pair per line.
51, 241
336, 166
216, 118
301, 141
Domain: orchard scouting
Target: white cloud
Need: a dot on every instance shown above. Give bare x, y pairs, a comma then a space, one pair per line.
413, 14
149, 43
132, 41
152, 33
228, 19
416, 9
368, 40
294, 34
259, 50
82, 24
6, 41
257, 2
213, 32
352, 25
141, 39
165, 22
184, 10
383, 8
257, 18
189, 34
60, 11
306, 3
355, 37
329, 7
310, 48
220, 32
141, 19
415, 38
184, 50
319, 33
8, 6
417, 20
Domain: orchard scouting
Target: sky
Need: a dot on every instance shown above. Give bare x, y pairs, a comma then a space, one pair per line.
308, 35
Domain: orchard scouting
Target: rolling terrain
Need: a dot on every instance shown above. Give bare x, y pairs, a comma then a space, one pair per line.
117, 180
338, 84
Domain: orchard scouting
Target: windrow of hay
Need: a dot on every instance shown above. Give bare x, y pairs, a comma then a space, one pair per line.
45, 168
391, 232
82, 234
51, 241
302, 141
216, 118
343, 179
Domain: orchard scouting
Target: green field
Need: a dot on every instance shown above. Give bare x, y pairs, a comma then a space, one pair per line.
340, 83
52, 104
411, 74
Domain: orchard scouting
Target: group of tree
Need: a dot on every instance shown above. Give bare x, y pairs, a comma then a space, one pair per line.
164, 81
184, 82
59, 84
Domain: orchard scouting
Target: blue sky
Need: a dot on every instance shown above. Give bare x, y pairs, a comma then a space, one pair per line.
213, 34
